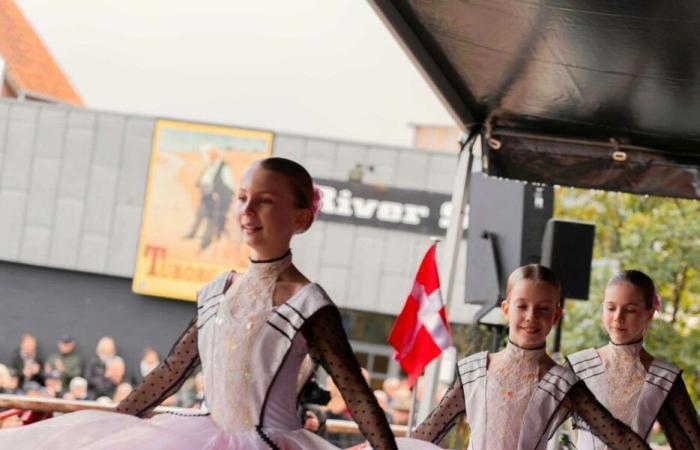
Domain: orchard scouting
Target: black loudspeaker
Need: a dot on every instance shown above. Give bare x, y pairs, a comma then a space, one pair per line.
507, 220
567, 249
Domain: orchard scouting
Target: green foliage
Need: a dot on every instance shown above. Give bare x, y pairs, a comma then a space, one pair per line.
659, 236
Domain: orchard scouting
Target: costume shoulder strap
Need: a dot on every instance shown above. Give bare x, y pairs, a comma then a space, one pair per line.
472, 367
585, 363
213, 288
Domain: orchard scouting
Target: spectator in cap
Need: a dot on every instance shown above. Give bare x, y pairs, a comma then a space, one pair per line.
67, 361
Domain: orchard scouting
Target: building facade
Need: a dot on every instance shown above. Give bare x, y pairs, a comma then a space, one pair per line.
72, 186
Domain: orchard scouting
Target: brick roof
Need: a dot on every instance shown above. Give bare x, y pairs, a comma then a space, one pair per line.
30, 68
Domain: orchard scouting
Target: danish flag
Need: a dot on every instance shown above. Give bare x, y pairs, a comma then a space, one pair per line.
421, 332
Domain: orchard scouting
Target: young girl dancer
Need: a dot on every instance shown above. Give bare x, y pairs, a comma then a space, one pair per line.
251, 333
637, 388
518, 397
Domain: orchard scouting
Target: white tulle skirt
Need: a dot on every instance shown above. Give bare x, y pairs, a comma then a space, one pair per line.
95, 430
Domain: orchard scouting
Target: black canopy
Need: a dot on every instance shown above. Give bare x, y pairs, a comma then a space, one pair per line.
589, 93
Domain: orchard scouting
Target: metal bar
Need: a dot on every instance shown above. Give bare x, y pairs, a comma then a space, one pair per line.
68, 406
613, 145
453, 240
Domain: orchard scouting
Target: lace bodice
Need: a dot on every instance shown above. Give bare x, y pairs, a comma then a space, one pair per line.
624, 373
511, 380
244, 311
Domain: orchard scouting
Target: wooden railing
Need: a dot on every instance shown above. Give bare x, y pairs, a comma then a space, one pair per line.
68, 406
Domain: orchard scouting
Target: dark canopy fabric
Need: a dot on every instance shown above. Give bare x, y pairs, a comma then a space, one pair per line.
589, 93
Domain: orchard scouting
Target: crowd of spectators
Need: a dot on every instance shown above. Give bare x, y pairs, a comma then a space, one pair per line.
104, 377
68, 375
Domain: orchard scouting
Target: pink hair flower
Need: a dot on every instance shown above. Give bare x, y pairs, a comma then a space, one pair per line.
316, 200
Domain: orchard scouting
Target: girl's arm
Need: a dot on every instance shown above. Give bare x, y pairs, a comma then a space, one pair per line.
166, 379
328, 342
614, 433
444, 416
679, 419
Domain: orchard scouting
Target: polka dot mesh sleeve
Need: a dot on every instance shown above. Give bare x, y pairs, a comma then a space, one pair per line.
614, 433
679, 419
166, 379
329, 344
450, 409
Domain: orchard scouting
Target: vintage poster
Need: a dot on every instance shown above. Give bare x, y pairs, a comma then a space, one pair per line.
188, 234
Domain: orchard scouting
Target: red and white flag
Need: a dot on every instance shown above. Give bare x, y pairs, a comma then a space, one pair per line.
421, 332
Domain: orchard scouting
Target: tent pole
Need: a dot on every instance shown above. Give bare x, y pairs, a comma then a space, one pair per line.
450, 254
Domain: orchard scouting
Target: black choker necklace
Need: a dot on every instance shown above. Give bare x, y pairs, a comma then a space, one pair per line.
523, 348
629, 343
265, 261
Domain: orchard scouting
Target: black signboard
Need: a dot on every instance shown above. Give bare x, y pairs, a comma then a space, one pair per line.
384, 207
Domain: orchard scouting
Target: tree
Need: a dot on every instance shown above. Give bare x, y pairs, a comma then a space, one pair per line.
659, 236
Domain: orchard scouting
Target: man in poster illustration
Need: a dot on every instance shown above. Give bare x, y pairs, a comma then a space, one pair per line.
216, 188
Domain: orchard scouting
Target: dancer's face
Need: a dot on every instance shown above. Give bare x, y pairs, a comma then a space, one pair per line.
266, 213
532, 309
625, 314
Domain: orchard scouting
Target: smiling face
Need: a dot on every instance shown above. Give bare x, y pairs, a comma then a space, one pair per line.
532, 309
267, 214
626, 316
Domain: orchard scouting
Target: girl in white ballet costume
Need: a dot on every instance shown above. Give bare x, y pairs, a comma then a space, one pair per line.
250, 335
637, 388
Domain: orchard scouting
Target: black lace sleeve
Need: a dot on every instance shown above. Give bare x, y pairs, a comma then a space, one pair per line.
679, 419
167, 378
450, 409
614, 433
328, 342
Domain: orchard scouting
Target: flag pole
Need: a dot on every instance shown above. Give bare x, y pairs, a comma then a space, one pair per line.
412, 410
453, 240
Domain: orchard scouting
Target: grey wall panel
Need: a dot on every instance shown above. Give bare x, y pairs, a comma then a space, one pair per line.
43, 189
123, 241
66, 235
109, 140
49, 303
366, 269
102, 191
35, 245
19, 147
335, 281
338, 241
51, 132
93, 253
135, 160
442, 169
12, 205
412, 170
77, 155
290, 147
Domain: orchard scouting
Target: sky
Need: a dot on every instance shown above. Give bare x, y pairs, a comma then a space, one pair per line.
321, 67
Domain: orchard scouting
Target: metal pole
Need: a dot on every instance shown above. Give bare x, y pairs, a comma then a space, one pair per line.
412, 411
453, 240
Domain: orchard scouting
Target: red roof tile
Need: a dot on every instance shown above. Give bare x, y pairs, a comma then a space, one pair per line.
29, 65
